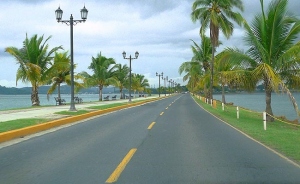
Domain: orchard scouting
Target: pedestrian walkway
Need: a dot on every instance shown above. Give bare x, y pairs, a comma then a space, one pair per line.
48, 112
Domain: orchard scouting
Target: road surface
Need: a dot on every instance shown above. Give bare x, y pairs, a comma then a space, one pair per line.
171, 140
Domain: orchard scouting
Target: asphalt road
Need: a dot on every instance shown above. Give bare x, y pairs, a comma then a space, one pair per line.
168, 141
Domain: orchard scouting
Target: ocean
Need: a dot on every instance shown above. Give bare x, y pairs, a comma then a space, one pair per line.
281, 104
22, 101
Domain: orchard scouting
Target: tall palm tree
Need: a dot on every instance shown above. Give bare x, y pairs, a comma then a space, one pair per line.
34, 60
203, 54
273, 55
199, 65
122, 74
215, 14
103, 73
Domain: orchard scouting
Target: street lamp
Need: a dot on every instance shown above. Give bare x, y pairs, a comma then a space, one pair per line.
130, 58
159, 75
71, 22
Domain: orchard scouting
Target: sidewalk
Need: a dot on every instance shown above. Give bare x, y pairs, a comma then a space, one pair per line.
48, 112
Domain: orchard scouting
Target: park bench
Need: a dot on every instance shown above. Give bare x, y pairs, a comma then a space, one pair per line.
60, 101
114, 97
77, 99
106, 98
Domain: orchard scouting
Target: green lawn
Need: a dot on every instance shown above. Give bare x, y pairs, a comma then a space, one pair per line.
72, 113
282, 137
20, 123
101, 107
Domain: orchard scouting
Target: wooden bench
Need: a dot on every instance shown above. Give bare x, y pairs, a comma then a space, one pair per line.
60, 101
114, 97
106, 98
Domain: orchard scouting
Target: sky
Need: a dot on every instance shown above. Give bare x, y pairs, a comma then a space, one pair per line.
160, 30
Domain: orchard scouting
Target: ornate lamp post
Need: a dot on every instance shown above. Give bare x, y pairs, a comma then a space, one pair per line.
130, 58
159, 75
71, 22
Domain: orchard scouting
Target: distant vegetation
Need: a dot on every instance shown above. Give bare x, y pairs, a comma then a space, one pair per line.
65, 89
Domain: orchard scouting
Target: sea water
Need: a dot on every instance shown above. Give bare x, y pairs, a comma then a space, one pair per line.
281, 104
22, 101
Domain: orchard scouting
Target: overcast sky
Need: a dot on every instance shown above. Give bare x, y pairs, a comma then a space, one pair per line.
160, 30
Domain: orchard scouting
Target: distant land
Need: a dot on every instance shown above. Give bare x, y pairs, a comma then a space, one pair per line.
64, 89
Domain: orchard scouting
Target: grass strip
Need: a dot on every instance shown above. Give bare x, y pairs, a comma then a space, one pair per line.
72, 113
19, 123
284, 138
101, 107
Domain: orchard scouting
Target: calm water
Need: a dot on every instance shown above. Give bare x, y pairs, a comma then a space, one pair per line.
21, 101
281, 105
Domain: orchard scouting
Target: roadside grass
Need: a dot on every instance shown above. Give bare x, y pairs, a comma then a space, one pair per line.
280, 136
19, 123
72, 113
22, 123
101, 107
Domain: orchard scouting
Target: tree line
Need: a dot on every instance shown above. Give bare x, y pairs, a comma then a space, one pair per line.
271, 58
41, 65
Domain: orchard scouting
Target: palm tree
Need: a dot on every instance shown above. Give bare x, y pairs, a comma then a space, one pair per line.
122, 74
273, 56
104, 73
59, 73
139, 83
193, 74
216, 15
203, 54
232, 73
34, 60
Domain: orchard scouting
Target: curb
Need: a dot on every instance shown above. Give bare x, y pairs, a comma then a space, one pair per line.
19, 133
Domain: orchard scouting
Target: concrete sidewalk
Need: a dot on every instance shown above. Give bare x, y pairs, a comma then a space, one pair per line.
48, 112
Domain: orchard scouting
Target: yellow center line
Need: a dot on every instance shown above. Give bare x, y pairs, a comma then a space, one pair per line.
162, 113
151, 125
117, 172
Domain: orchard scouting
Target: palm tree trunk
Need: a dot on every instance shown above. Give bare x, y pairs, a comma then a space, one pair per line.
269, 111
212, 71
121, 95
35, 96
58, 93
223, 94
100, 93
58, 90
